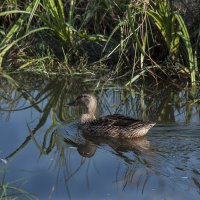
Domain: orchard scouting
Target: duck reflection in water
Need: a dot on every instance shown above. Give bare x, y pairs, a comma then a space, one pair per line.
88, 147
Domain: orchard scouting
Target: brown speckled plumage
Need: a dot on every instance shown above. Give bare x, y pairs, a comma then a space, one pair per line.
114, 126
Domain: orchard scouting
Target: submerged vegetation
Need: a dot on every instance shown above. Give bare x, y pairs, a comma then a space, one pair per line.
133, 39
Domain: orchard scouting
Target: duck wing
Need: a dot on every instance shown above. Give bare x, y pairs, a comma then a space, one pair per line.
117, 126
117, 120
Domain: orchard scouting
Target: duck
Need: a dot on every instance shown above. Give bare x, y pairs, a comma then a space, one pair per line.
110, 126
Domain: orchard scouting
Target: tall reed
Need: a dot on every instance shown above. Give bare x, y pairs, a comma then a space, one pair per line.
138, 39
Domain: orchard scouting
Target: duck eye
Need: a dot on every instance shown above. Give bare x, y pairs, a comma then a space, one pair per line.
84, 96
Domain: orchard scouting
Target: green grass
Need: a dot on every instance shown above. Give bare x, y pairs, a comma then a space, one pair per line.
10, 189
137, 40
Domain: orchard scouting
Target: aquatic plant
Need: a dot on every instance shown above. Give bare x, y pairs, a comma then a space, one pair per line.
134, 39
173, 28
54, 18
11, 189
11, 38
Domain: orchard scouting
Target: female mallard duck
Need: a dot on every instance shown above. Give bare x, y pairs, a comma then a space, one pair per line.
113, 126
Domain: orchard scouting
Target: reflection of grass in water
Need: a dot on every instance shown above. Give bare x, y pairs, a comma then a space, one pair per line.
139, 101
63, 165
133, 175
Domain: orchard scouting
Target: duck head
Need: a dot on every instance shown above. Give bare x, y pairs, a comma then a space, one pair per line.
88, 101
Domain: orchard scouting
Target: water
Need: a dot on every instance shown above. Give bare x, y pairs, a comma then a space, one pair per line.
44, 156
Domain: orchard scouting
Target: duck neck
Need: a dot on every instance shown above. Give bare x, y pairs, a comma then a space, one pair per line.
90, 111
87, 117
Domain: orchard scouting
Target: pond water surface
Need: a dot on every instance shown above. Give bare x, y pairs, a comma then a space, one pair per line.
44, 156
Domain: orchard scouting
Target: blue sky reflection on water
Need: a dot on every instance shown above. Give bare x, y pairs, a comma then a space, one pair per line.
165, 165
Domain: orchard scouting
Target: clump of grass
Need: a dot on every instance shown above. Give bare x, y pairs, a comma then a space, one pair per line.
138, 39
172, 27
11, 190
